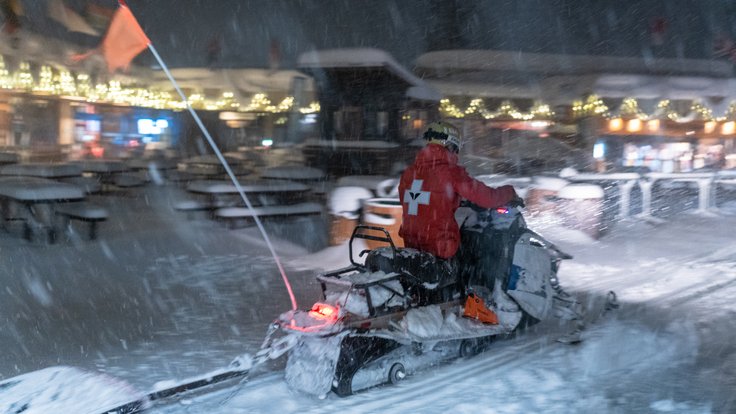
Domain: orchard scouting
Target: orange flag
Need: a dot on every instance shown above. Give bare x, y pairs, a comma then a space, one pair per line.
124, 40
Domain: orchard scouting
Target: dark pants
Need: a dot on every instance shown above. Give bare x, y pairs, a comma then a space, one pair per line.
485, 256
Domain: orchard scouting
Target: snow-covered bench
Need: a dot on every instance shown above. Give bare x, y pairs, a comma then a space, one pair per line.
192, 206
128, 180
233, 213
82, 211
90, 185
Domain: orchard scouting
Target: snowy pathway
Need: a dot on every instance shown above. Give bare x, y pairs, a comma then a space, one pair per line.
160, 297
670, 348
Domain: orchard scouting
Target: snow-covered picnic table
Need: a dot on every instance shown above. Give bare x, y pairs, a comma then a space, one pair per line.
138, 164
250, 186
314, 177
101, 166
223, 193
38, 190
294, 173
271, 198
45, 170
208, 166
110, 173
70, 173
38, 197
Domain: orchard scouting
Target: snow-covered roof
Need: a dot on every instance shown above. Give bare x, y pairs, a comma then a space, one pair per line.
243, 80
562, 78
552, 64
368, 58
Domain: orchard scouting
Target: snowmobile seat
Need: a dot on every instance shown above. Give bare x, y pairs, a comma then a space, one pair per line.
420, 267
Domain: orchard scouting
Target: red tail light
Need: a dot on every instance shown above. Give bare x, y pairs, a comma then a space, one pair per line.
502, 210
323, 311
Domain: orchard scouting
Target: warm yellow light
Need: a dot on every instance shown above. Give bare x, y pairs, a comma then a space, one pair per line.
710, 126
728, 128
634, 125
417, 124
653, 125
615, 124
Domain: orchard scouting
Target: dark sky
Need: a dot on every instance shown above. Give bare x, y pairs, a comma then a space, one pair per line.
183, 29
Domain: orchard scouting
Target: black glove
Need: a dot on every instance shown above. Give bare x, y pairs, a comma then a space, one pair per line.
517, 202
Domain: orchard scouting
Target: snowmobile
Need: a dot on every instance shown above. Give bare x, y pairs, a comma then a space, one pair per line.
402, 309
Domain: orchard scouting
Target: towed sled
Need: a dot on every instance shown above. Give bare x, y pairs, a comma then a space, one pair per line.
403, 309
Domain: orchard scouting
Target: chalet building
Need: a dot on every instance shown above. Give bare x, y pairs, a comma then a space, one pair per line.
52, 108
662, 114
372, 110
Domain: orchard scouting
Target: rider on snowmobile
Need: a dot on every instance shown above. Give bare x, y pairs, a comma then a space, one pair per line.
431, 190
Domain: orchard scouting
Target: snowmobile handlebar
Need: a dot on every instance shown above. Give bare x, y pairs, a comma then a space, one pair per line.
516, 202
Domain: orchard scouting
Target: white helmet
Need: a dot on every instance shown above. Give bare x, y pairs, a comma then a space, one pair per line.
444, 133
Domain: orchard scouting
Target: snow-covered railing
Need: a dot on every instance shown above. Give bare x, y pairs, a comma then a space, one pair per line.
624, 181
627, 181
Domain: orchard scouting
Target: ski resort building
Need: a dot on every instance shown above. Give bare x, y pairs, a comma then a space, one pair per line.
663, 114
372, 110
52, 108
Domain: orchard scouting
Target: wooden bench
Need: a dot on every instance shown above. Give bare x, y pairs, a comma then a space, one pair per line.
234, 213
82, 211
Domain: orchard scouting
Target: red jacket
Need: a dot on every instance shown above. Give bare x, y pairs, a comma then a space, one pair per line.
431, 190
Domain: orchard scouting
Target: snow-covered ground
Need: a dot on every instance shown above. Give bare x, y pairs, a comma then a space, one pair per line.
161, 297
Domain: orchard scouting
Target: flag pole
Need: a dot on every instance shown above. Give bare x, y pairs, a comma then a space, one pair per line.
229, 172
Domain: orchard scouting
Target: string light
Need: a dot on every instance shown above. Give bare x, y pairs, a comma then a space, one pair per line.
23, 79
630, 109
6, 81
450, 110
45, 81
506, 111
701, 111
79, 87
592, 106
311, 109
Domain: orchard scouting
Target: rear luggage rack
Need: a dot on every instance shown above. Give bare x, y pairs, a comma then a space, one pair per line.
359, 232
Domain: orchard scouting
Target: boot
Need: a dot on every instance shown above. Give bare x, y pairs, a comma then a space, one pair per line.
476, 309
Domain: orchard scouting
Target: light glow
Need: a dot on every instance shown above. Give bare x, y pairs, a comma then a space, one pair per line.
323, 311
653, 125
634, 125
728, 128
616, 124
599, 150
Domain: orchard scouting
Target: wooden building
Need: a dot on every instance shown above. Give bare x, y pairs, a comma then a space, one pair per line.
371, 110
